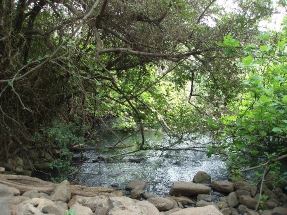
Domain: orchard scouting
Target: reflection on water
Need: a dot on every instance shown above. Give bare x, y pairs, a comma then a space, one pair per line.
159, 168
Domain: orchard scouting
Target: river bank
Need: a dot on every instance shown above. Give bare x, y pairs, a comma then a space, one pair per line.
21, 195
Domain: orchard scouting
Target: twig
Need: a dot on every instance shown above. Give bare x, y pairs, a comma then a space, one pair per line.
266, 170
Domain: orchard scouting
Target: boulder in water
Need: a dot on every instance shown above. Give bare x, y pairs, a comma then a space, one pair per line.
136, 184
223, 186
188, 189
202, 177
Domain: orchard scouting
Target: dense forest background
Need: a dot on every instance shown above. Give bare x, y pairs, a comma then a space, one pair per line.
182, 66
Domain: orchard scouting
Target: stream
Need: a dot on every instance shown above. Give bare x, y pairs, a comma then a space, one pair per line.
159, 168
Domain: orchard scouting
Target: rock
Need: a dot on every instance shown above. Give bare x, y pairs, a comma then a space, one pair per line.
202, 177
5, 205
6, 191
266, 212
234, 211
2, 169
242, 185
62, 205
102, 205
223, 186
183, 200
35, 194
232, 200
162, 204
148, 195
127, 206
136, 184
96, 203
270, 204
203, 203
81, 210
222, 205
172, 211
279, 211
242, 209
15, 200
205, 197
62, 192
207, 210
242, 193
269, 193
52, 209
248, 201
39, 206
251, 212
226, 211
223, 199
136, 194
189, 189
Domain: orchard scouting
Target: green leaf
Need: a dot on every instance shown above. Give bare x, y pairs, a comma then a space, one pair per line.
247, 60
277, 130
284, 99
229, 41
264, 48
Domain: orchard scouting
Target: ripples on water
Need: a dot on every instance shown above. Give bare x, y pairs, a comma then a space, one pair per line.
158, 168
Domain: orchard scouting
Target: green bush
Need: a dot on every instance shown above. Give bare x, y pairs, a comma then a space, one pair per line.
62, 136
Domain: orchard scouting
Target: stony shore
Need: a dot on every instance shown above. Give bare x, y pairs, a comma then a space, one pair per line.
24, 195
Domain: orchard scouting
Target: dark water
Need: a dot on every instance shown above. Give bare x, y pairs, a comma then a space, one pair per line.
158, 168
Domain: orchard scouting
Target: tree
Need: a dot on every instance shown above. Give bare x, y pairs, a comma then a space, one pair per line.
86, 59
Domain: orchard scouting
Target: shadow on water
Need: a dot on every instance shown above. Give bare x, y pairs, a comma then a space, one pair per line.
159, 168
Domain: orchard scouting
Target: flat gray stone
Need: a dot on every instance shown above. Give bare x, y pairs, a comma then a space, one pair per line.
188, 189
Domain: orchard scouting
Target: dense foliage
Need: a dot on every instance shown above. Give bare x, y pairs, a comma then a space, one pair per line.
160, 64
254, 129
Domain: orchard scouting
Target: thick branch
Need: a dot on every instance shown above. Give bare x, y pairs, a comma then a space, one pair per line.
152, 54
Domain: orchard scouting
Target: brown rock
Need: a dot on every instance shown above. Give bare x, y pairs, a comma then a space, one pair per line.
226, 211
242, 193
222, 205
172, 211
189, 189
35, 194
203, 203
279, 211
136, 184
242, 185
251, 212
148, 195
6, 191
207, 210
39, 206
202, 177
248, 201
270, 204
205, 197
80, 209
234, 211
232, 200
136, 194
62, 192
242, 209
163, 204
223, 186
96, 203
127, 206
183, 200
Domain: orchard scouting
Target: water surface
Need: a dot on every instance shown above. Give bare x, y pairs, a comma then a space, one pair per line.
158, 168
